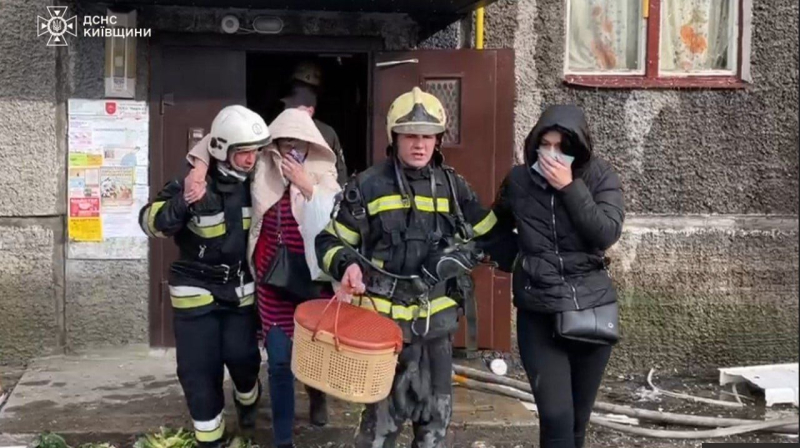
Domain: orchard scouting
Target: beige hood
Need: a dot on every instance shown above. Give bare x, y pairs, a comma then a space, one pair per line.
268, 187
298, 124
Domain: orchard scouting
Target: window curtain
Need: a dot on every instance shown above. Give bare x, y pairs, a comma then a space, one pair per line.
605, 35
696, 35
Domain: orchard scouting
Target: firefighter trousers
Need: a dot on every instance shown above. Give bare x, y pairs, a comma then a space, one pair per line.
422, 392
204, 345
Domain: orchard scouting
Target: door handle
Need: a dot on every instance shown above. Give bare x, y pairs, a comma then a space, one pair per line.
167, 99
393, 63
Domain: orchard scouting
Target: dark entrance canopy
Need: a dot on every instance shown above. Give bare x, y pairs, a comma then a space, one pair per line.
413, 7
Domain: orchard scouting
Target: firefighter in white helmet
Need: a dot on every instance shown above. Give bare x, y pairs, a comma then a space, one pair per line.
407, 233
211, 287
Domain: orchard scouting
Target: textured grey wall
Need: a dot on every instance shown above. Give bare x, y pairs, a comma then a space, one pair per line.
694, 295
31, 178
31, 287
700, 293
30, 162
678, 151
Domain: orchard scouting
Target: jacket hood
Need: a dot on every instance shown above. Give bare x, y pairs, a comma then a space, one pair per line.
571, 121
298, 124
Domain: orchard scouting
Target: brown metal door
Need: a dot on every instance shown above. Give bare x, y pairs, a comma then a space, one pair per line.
189, 85
477, 89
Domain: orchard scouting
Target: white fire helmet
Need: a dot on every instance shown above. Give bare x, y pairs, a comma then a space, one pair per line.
234, 128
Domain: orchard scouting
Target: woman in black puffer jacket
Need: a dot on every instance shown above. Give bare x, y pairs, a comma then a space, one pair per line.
566, 217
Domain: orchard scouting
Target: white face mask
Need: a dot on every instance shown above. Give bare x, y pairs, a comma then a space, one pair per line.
555, 154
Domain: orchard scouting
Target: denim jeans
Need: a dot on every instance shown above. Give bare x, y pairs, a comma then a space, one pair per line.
281, 384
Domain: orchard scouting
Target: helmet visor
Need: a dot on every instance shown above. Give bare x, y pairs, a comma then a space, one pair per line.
418, 129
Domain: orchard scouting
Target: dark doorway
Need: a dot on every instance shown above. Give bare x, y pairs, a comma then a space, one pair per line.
341, 103
477, 88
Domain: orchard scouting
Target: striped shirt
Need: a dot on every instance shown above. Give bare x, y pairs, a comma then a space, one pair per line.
271, 309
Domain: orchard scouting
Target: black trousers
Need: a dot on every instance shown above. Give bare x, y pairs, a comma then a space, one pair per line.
564, 377
422, 392
204, 345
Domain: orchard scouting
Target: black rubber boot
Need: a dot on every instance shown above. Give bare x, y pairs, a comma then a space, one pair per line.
247, 414
217, 444
318, 407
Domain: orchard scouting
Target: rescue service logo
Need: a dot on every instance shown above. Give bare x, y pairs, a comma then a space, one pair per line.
57, 25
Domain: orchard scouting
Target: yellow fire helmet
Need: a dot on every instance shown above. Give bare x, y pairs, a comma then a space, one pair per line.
308, 72
416, 112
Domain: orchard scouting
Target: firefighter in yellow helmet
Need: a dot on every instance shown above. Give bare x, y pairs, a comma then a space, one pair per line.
406, 230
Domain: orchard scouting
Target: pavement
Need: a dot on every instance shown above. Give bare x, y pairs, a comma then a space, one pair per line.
118, 394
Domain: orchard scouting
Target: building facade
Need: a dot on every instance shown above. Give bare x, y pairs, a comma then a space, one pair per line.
707, 267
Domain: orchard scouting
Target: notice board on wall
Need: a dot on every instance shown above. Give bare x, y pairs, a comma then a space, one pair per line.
107, 178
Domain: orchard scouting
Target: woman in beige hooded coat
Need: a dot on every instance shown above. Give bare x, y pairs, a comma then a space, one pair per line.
310, 168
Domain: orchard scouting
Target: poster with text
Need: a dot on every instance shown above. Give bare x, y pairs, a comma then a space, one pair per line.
108, 145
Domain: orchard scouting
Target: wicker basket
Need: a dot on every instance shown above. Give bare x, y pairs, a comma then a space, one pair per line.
344, 350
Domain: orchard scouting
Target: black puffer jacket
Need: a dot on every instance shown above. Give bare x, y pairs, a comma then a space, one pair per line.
562, 234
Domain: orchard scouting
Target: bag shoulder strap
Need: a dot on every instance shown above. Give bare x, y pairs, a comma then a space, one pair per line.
279, 227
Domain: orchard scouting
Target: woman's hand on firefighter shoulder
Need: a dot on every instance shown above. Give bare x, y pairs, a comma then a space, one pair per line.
194, 186
352, 280
296, 174
557, 173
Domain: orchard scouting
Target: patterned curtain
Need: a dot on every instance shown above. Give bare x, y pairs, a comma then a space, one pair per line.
696, 35
605, 35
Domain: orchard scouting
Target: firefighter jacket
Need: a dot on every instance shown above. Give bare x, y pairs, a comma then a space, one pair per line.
399, 237
211, 235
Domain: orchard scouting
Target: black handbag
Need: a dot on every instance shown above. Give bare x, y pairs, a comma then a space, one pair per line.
290, 274
598, 325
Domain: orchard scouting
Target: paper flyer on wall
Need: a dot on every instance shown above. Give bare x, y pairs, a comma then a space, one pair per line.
116, 188
108, 142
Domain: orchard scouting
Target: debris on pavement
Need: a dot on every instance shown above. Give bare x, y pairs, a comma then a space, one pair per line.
646, 394
167, 438
49, 440
498, 367
729, 404
722, 427
778, 381
619, 418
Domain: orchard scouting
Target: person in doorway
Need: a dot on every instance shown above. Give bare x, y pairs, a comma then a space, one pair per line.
296, 166
400, 236
210, 287
567, 206
305, 85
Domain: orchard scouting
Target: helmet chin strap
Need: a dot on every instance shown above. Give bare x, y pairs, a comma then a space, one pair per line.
228, 170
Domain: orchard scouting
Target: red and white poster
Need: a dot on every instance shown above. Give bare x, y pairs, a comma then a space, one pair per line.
84, 207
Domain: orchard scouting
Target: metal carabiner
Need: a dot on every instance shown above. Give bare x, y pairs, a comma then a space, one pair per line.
426, 304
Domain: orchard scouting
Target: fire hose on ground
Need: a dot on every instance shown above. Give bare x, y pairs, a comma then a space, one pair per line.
488, 382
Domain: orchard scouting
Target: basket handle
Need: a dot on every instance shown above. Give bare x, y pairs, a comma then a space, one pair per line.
335, 320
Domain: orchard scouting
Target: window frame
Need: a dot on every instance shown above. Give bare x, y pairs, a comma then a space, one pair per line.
652, 78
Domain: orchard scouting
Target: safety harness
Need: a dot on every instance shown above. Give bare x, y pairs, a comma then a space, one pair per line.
412, 286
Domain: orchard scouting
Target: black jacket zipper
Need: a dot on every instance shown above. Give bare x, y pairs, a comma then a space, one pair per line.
561, 260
